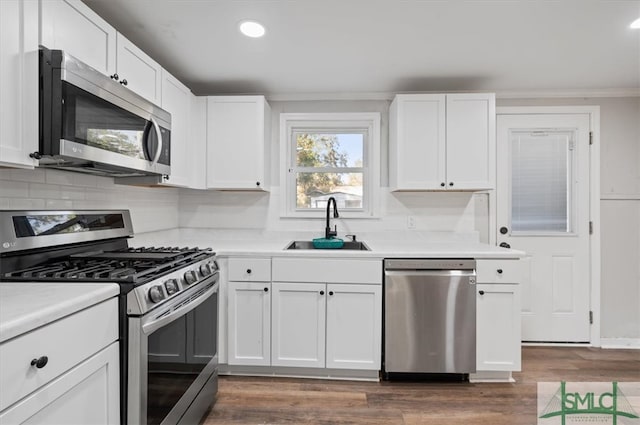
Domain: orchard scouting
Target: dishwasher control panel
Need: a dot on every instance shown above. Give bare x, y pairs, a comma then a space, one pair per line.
430, 264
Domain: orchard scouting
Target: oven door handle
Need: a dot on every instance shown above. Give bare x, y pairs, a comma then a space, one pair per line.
165, 319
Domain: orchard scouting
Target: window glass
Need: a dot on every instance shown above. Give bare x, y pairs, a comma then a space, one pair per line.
329, 164
541, 181
329, 150
315, 189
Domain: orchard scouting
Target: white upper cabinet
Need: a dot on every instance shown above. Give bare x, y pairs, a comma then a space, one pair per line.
176, 99
19, 83
471, 141
238, 133
136, 70
442, 142
72, 26
417, 142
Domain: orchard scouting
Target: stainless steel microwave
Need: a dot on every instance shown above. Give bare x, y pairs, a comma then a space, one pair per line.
93, 124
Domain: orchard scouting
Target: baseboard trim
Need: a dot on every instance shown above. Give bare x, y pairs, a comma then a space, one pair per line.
629, 343
557, 344
300, 372
491, 376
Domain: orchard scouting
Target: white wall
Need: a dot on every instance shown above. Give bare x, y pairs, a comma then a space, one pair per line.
151, 208
434, 212
619, 209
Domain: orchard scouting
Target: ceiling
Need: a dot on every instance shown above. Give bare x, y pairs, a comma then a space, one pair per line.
327, 47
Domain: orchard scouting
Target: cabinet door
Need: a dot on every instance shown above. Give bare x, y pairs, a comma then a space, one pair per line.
498, 327
72, 26
354, 326
198, 141
417, 148
249, 323
19, 83
237, 134
471, 141
140, 73
87, 394
176, 99
298, 324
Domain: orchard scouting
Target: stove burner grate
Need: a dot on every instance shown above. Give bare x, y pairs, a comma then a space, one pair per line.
131, 265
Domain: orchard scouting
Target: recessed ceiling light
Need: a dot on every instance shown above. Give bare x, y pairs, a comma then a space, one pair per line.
252, 29
635, 24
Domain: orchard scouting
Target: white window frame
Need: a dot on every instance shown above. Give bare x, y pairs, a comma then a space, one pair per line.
331, 122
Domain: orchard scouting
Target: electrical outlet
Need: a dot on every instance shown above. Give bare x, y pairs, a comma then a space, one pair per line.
411, 222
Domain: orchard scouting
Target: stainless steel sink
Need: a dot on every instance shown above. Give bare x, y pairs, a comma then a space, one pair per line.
348, 245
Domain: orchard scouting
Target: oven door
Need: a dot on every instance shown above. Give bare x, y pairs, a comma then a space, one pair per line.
173, 358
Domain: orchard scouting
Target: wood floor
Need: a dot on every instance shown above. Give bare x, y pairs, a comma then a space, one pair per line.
249, 400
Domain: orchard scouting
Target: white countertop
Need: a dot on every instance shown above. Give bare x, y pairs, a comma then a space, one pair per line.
243, 242
25, 306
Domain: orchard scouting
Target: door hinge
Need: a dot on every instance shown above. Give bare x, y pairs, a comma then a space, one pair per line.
591, 317
591, 137
591, 227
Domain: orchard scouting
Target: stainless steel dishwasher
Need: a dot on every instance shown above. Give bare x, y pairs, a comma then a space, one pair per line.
429, 316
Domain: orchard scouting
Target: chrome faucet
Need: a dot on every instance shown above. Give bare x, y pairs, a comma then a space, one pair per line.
328, 233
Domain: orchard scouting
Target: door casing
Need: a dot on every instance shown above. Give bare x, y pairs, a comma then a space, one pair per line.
594, 198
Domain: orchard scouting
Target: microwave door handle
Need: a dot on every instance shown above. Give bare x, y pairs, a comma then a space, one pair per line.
156, 157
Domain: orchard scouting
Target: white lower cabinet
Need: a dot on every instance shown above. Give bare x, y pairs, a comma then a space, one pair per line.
249, 323
298, 324
354, 323
498, 327
296, 321
87, 394
77, 380
335, 325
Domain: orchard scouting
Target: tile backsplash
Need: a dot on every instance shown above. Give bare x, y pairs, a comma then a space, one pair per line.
151, 208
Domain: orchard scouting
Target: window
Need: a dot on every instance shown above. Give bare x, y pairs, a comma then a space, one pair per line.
330, 155
542, 179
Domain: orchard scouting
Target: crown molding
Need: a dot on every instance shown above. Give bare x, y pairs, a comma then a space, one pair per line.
504, 94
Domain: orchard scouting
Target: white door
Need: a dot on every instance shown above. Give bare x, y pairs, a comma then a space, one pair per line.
298, 324
543, 209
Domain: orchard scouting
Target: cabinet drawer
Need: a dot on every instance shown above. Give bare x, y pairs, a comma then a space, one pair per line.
327, 270
66, 343
250, 269
499, 271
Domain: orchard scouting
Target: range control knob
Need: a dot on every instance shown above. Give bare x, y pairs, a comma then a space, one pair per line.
205, 270
190, 277
156, 294
172, 286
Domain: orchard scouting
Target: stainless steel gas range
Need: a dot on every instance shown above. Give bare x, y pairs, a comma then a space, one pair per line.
168, 303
